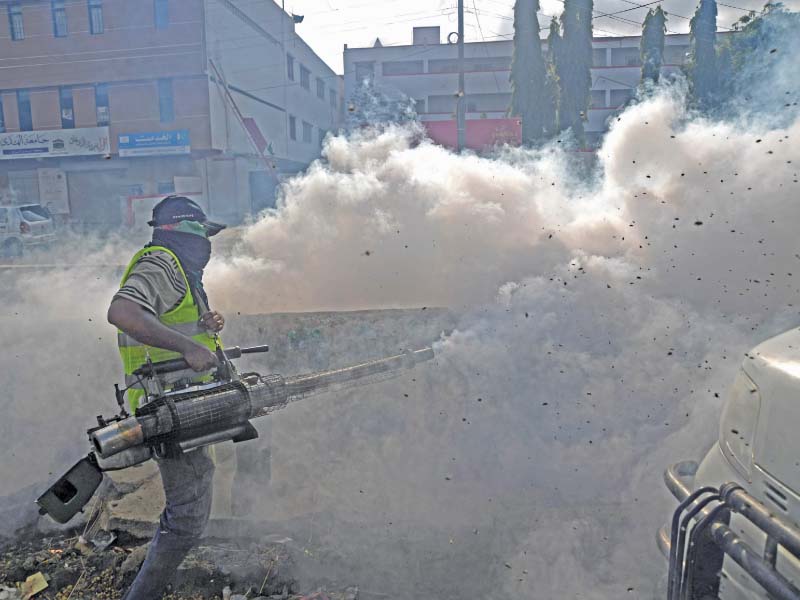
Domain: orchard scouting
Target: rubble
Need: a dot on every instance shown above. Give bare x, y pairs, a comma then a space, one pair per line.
60, 567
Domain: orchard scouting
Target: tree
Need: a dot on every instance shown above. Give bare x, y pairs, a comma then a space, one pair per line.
529, 97
554, 42
573, 65
652, 44
760, 59
702, 64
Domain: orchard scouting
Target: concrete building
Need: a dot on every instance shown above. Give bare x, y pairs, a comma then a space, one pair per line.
108, 105
427, 71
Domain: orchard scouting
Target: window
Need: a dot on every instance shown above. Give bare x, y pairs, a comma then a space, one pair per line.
161, 13
599, 57
450, 65
307, 132
165, 187
290, 67
3, 215
332, 96
96, 17
101, 101
620, 97
403, 67
320, 89
675, 55
365, 72
67, 114
166, 104
2, 117
598, 99
59, 18
292, 128
419, 106
24, 108
322, 134
305, 78
625, 57
15, 24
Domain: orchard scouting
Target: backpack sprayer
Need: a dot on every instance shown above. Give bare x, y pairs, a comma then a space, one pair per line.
193, 415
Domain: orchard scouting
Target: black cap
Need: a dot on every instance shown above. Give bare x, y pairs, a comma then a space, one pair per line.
174, 209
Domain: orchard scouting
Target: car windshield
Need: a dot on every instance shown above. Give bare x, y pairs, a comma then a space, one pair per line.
32, 214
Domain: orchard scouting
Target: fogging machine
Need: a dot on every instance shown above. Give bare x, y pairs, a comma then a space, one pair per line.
191, 416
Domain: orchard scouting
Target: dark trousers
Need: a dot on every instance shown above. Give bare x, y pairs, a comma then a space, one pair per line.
187, 483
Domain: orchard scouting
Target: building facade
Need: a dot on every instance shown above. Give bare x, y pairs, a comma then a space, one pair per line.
108, 105
427, 71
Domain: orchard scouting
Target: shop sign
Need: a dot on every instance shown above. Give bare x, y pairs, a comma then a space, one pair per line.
157, 143
85, 141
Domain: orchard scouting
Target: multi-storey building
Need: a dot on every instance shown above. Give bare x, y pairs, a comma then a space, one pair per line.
427, 71
107, 105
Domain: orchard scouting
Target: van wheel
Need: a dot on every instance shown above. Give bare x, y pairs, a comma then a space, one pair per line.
12, 249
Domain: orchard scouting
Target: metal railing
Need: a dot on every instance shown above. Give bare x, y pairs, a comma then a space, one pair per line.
700, 537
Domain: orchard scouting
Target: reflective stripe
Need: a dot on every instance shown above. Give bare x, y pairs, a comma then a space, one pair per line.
188, 329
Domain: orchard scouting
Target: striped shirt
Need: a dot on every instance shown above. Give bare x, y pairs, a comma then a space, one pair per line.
155, 283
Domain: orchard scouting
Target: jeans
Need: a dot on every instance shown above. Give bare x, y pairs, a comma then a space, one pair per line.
187, 483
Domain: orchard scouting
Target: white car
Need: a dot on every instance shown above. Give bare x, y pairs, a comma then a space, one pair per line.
23, 227
736, 532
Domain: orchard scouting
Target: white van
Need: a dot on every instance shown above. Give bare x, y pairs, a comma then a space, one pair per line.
23, 227
736, 532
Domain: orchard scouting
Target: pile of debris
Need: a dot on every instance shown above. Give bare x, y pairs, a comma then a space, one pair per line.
67, 566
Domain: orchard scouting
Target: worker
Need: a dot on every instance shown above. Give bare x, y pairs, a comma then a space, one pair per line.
162, 312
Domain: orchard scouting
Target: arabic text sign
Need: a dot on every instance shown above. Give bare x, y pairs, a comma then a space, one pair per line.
86, 141
155, 143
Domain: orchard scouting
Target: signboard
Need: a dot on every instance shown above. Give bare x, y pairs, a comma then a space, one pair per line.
86, 141
154, 144
53, 193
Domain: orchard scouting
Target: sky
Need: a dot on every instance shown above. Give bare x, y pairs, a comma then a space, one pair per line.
330, 24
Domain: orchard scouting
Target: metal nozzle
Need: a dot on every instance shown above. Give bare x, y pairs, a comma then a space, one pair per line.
117, 437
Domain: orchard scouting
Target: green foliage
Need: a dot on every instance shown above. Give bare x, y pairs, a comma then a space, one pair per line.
749, 58
530, 97
573, 62
554, 42
652, 44
701, 68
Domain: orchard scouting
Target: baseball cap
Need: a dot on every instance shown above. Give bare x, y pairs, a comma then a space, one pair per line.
174, 209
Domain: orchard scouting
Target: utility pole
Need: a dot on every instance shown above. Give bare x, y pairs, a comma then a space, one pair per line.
461, 104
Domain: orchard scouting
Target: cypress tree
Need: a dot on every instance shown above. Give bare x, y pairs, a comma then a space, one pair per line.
652, 44
529, 98
573, 65
554, 42
702, 65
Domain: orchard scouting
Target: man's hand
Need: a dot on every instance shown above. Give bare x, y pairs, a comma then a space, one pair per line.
213, 321
200, 358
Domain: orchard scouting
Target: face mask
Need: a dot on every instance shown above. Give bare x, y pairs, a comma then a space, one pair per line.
190, 244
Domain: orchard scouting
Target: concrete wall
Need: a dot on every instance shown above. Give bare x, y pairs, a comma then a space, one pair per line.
249, 45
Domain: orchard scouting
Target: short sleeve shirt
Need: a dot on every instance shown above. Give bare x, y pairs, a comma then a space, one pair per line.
155, 283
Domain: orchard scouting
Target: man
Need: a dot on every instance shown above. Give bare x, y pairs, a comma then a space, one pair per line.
161, 311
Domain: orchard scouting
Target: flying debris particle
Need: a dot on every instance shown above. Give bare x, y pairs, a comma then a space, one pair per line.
698, 223
367, 253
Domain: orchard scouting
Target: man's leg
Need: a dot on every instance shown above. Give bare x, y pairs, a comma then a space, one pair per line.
187, 483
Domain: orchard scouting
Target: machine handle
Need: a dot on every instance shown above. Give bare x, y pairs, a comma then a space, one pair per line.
179, 364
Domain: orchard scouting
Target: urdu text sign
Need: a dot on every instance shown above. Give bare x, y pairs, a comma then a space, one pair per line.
86, 141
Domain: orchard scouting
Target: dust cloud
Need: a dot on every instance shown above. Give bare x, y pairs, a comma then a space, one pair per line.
598, 322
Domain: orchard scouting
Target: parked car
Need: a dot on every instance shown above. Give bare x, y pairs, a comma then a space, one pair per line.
23, 227
736, 532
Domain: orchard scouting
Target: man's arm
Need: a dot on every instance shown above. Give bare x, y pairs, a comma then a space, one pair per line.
143, 326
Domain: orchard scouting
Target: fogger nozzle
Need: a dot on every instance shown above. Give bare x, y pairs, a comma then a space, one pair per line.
117, 437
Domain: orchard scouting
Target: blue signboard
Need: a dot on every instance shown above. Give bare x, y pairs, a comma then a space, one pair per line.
155, 143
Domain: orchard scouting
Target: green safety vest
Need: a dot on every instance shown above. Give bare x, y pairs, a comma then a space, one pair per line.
184, 318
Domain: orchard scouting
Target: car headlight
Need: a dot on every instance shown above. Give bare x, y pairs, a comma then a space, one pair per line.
738, 424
